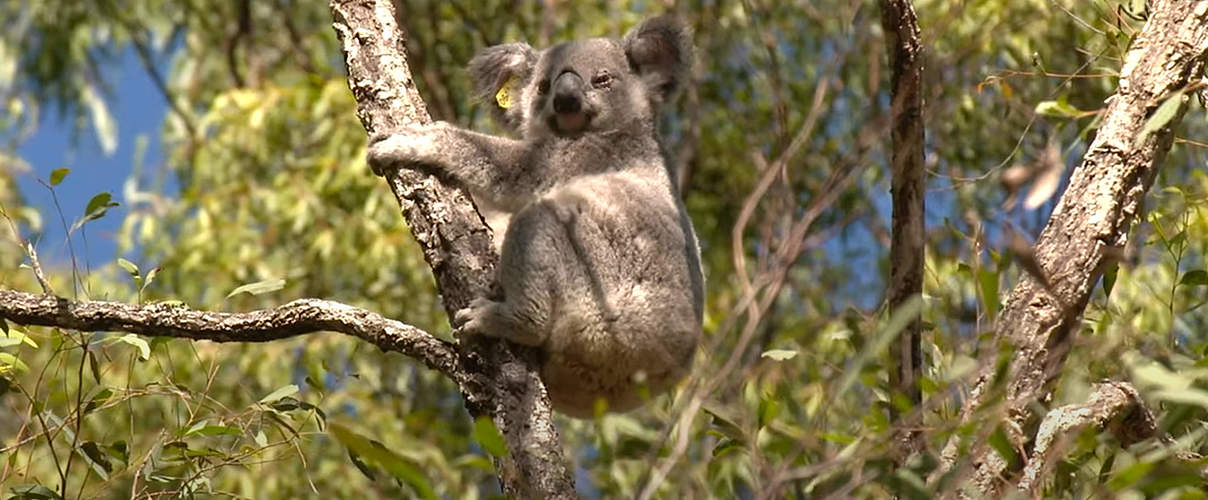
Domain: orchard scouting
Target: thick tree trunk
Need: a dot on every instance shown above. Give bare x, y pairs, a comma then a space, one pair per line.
1086, 232
502, 382
907, 188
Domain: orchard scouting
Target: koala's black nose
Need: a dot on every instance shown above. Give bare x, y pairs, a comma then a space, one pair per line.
568, 93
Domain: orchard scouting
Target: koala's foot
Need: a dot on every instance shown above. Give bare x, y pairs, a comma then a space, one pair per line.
487, 317
473, 319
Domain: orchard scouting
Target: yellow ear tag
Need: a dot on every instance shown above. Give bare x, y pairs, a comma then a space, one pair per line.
504, 96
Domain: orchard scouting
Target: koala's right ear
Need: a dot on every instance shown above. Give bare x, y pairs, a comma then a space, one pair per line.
660, 50
499, 74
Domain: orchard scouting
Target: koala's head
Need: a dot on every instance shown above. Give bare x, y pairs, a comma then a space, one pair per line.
589, 85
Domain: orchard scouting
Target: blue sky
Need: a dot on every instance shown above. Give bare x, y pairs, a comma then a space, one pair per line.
138, 108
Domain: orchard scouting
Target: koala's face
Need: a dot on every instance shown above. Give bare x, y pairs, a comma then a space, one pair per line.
585, 86
599, 84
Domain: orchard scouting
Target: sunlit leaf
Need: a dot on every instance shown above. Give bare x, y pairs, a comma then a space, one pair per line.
259, 287
200, 429
144, 349
102, 121
9, 362
377, 454
57, 175
14, 337
130, 267
288, 390
779, 354
1057, 109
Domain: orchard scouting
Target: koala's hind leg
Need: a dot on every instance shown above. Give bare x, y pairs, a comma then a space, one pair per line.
531, 270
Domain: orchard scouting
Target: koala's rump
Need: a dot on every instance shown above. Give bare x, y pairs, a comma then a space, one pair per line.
623, 323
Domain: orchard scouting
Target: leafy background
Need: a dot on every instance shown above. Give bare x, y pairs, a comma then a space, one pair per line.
228, 139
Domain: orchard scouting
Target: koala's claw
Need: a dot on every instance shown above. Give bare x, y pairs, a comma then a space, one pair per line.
379, 157
472, 319
411, 145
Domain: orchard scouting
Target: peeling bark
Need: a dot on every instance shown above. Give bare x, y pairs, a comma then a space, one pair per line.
1086, 230
501, 380
907, 189
1113, 406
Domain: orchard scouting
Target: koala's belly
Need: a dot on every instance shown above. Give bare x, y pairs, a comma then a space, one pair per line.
624, 327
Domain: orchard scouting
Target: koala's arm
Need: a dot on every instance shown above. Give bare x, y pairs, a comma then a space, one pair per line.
496, 167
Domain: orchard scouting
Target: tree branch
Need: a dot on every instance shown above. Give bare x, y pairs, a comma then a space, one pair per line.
1087, 229
906, 252
299, 317
501, 381
1113, 405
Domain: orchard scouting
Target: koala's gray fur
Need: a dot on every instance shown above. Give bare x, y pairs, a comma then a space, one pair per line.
599, 262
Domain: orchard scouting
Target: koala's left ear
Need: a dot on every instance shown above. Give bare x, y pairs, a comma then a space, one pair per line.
499, 74
660, 50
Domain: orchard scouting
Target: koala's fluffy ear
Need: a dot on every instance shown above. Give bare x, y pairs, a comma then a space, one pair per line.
660, 50
499, 74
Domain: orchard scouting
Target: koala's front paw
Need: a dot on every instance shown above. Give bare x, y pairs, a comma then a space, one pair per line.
414, 144
473, 319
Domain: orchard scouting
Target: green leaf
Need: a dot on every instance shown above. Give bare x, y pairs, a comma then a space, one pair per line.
488, 436
1162, 116
130, 267
288, 390
144, 349
1130, 475
727, 446
93, 365
1000, 443
9, 362
1109, 278
97, 202
779, 354
1058, 109
259, 287
97, 400
988, 280
57, 175
14, 337
1186, 395
150, 276
96, 208
96, 459
769, 409
200, 429
1197, 277
32, 492
726, 425
378, 454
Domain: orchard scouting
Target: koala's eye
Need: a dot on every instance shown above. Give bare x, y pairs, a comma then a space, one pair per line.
601, 80
543, 86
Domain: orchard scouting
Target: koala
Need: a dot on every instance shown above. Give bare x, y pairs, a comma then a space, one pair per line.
599, 264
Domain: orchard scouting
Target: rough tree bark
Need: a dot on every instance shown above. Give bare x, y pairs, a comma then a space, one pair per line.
501, 381
1085, 233
901, 28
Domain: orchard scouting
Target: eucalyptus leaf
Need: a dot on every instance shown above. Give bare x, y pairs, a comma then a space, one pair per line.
259, 287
